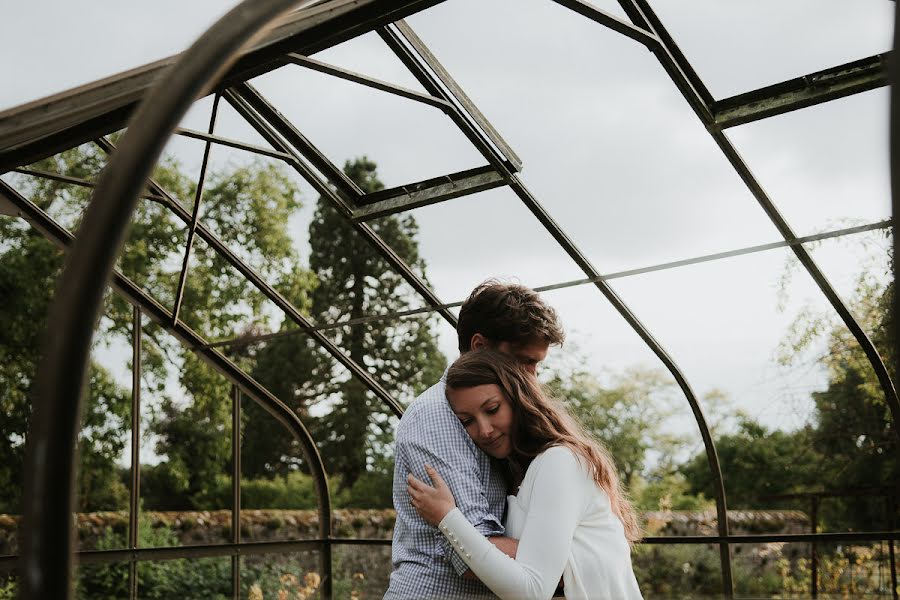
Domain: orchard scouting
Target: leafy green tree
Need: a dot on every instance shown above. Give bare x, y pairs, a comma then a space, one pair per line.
850, 443
248, 208
29, 265
854, 427
757, 462
355, 281
626, 414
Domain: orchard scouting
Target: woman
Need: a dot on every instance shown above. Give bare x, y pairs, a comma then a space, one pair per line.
570, 515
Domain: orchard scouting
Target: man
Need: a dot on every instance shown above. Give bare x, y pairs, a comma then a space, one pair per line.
512, 319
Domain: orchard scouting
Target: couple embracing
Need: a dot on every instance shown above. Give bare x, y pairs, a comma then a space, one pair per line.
498, 490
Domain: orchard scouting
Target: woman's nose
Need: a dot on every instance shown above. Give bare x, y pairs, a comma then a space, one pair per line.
486, 429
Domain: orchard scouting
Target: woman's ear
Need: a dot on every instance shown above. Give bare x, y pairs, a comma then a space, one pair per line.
478, 342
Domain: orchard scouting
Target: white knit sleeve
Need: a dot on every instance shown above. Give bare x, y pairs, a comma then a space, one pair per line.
557, 501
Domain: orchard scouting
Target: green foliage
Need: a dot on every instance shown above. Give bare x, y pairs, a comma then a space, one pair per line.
354, 281
757, 462
667, 491
626, 414
28, 269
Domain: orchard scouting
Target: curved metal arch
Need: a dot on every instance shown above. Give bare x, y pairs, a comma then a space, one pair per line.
47, 526
413, 61
697, 97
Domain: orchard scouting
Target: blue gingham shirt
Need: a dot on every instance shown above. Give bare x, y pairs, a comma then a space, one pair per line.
424, 564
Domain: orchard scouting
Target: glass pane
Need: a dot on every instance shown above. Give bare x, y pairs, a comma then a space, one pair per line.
756, 44
410, 141
230, 124
361, 571
9, 584
29, 266
103, 484
289, 574
857, 570
185, 578
859, 269
824, 167
279, 500
678, 570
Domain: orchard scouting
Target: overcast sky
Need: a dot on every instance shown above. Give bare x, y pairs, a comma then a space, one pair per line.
609, 147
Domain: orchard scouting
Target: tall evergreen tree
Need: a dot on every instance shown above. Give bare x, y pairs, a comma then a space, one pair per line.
356, 281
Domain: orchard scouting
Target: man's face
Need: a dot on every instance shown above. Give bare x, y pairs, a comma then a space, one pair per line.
529, 354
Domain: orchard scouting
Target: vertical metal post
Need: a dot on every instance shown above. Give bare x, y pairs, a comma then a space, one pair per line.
134, 505
236, 488
892, 523
814, 555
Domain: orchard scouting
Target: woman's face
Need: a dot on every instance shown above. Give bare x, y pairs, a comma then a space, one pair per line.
487, 415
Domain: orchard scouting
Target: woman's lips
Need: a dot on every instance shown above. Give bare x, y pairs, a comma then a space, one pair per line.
494, 443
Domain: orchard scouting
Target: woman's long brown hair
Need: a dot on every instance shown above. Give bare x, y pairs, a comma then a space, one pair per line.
540, 422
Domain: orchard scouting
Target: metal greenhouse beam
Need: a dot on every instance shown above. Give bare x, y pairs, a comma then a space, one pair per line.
47, 126
800, 92
641, 10
377, 84
425, 193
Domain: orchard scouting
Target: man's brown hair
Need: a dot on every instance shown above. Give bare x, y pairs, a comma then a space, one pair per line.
507, 312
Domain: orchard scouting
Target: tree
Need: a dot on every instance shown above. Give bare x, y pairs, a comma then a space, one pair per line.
248, 208
356, 281
850, 444
757, 462
29, 266
626, 415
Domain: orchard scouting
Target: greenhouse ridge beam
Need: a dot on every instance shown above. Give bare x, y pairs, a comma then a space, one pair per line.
425, 193
44, 127
808, 90
190, 339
